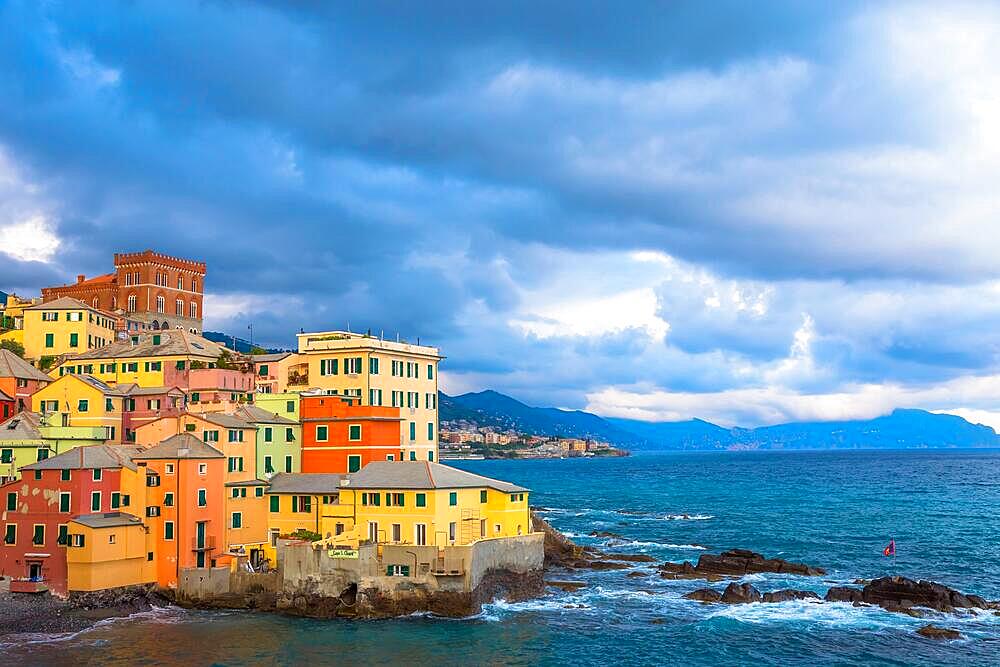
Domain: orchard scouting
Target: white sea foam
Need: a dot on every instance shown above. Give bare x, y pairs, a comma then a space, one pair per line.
688, 517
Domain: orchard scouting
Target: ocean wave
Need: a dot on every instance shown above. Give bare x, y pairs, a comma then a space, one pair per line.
169, 614
620, 543
688, 517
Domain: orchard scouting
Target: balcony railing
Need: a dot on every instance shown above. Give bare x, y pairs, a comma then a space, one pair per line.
207, 543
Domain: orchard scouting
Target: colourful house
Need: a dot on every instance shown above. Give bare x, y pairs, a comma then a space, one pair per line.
108, 550
306, 501
424, 503
271, 372
278, 440
82, 400
284, 404
26, 438
340, 436
379, 373
7, 405
12, 317
65, 326
19, 379
38, 508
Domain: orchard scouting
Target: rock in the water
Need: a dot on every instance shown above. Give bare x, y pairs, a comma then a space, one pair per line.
704, 595
568, 586
789, 594
844, 594
740, 594
605, 533
935, 632
636, 574
900, 594
631, 558
735, 563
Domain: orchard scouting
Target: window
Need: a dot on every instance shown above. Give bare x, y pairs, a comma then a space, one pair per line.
328, 366
74, 340
38, 536
210, 436
83, 405
373, 531
430, 431
413, 430
12, 501
179, 308
373, 365
160, 304
420, 534
275, 502
482, 496
267, 434
50, 340
98, 474
111, 538
430, 456
168, 499
65, 475
353, 463
289, 406
354, 432
321, 433
131, 303
116, 500
50, 317
6, 455
396, 532
62, 536
289, 434
305, 503
179, 365
168, 530
268, 467
202, 468
10, 534
109, 405
421, 500
237, 520
202, 497
195, 396
451, 531
374, 397
413, 456
38, 474
430, 371
95, 501
259, 492
288, 463
394, 499
352, 366
513, 497
169, 469
194, 310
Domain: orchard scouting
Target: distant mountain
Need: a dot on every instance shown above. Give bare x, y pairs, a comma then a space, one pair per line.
493, 409
241, 345
903, 429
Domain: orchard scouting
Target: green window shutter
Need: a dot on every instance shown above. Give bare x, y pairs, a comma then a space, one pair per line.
289, 406
49, 340
74, 340
353, 463
267, 434
63, 535
179, 365
295, 503
453, 498
421, 500
275, 503
168, 530
95, 502
482, 496
11, 501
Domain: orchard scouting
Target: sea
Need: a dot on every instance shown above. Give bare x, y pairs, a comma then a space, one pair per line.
833, 509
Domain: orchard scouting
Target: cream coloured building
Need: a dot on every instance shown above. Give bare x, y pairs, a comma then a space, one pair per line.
382, 373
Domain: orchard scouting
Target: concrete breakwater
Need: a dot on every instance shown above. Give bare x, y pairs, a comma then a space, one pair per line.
376, 581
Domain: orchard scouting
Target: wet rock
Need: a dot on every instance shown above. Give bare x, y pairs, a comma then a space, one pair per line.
900, 594
735, 563
788, 595
568, 586
706, 595
559, 550
844, 594
932, 631
631, 558
602, 565
636, 574
658, 621
740, 594
606, 534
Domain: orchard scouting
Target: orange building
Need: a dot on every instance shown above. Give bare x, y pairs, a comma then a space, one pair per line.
185, 504
339, 436
19, 380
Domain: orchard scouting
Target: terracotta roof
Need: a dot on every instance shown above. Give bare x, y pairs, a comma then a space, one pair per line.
62, 303
305, 482
92, 456
22, 426
107, 520
183, 446
13, 366
423, 475
255, 415
172, 342
96, 280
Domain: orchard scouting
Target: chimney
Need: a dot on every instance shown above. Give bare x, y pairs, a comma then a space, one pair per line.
80, 277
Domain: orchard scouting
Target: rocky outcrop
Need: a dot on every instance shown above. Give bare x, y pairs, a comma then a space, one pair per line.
735, 563
606, 534
631, 558
706, 595
903, 595
740, 594
122, 601
567, 586
935, 632
788, 595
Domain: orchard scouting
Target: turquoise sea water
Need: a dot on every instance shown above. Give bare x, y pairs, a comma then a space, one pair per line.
832, 509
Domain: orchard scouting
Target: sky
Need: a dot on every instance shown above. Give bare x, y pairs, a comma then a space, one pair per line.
749, 213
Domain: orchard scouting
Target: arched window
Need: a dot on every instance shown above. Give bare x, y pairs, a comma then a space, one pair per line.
164, 324
194, 310
194, 284
179, 308
114, 303
160, 304
156, 325
131, 303
180, 283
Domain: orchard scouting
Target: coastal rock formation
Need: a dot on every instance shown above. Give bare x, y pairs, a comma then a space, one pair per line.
704, 595
788, 595
735, 563
740, 594
935, 632
605, 533
900, 594
568, 586
631, 558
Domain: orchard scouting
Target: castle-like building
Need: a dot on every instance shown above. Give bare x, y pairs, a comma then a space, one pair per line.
161, 291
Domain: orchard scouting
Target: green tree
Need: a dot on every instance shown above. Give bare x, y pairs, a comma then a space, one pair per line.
45, 363
13, 346
257, 349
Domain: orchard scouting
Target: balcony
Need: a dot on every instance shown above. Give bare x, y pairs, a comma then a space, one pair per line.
207, 544
27, 586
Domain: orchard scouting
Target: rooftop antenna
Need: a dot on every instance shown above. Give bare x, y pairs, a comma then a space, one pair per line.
381, 335
397, 336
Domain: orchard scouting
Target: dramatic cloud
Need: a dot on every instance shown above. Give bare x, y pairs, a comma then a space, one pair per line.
752, 213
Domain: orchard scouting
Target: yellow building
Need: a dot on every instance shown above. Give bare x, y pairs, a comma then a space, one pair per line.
27, 438
305, 501
109, 550
272, 372
284, 404
81, 400
12, 318
65, 326
148, 359
424, 503
382, 373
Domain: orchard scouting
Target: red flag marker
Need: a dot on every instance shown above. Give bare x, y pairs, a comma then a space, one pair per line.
891, 549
